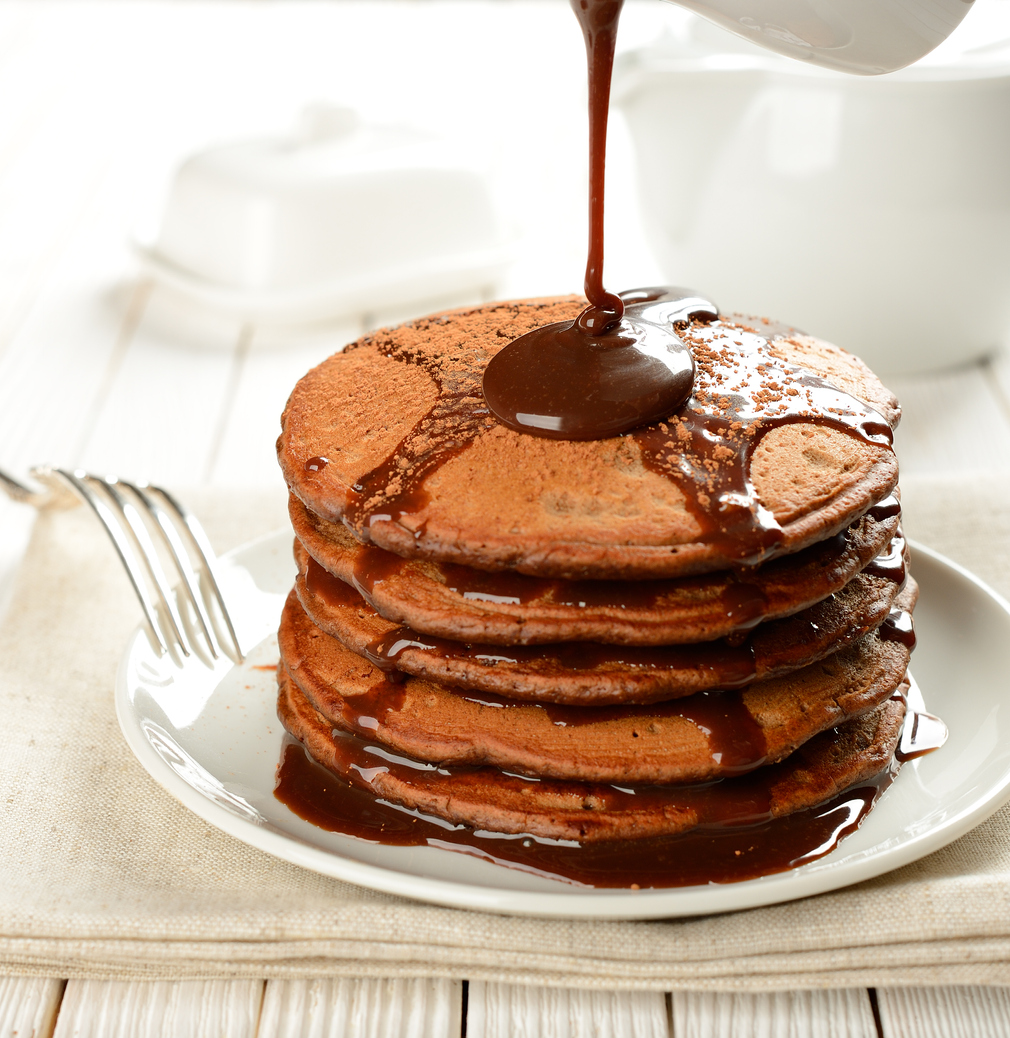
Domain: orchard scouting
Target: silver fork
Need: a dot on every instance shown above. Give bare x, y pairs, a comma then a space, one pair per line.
187, 617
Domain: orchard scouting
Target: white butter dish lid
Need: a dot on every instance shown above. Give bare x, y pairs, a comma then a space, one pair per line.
339, 218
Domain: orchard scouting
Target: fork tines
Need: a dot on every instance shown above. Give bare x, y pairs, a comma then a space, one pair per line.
187, 615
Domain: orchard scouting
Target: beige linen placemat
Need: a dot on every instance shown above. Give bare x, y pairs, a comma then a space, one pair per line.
104, 875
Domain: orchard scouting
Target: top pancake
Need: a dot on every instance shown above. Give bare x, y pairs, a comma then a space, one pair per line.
393, 438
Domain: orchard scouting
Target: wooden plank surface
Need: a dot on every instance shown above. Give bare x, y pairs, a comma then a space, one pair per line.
160, 1009
947, 1012
346, 1008
845, 1013
372, 1008
515, 1011
28, 1006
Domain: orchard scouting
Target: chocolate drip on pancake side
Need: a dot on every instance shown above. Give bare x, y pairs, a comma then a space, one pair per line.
898, 627
711, 854
891, 564
887, 508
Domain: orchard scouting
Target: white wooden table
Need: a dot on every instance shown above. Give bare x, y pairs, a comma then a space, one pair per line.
99, 369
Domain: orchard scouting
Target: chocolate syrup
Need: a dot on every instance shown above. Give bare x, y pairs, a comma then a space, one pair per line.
564, 382
716, 852
888, 508
891, 563
898, 627
619, 364
922, 733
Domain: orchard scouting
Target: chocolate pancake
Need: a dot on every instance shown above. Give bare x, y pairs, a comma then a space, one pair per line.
488, 799
590, 673
784, 442
694, 739
464, 604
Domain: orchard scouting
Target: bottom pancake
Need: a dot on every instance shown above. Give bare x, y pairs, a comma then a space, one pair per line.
488, 799
703, 856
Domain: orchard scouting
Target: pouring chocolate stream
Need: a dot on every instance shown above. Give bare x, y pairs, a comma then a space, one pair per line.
619, 364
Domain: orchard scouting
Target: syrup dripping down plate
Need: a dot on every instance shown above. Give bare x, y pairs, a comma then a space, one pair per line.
211, 737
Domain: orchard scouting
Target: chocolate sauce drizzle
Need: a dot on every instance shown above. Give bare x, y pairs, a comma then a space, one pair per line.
619, 364
598, 20
735, 843
891, 564
898, 627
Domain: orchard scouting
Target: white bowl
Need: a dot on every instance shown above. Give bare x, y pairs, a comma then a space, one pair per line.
338, 219
872, 212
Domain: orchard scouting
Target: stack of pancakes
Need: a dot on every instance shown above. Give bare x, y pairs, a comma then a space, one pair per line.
703, 622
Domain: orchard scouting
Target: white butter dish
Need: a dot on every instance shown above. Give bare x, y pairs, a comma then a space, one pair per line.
336, 220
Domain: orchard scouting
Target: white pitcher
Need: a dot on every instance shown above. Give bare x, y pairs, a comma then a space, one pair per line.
872, 211
862, 36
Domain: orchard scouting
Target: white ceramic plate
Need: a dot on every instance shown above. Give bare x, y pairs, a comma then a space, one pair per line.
212, 739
